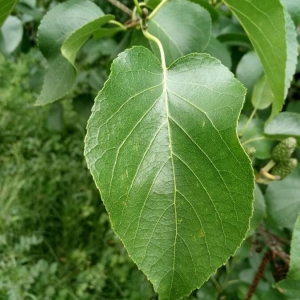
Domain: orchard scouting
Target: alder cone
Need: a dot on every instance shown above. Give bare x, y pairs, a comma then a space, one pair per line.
284, 168
284, 150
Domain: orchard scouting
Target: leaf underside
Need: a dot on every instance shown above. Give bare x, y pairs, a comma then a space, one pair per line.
163, 150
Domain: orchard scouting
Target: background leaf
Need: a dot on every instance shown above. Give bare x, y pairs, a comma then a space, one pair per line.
6, 7
179, 33
293, 8
284, 125
283, 200
172, 173
262, 95
71, 22
10, 34
294, 271
217, 49
249, 70
278, 51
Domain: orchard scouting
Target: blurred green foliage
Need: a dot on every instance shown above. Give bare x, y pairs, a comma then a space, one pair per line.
55, 237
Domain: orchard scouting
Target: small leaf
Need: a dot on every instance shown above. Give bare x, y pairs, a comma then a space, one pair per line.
163, 150
262, 96
284, 125
283, 200
11, 35
6, 7
67, 26
277, 52
217, 49
179, 33
75, 41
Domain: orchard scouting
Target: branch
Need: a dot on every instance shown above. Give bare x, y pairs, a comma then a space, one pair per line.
258, 274
121, 6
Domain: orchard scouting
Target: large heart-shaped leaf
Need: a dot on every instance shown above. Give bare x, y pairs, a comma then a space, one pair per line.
180, 33
277, 52
6, 7
61, 33
163, 150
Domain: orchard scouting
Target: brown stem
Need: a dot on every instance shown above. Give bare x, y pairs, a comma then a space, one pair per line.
274, 244
258, 274
121, 6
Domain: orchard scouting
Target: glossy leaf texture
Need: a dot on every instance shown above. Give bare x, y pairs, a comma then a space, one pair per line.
277, 52
180, 33
66, 26
6, 6
163, 150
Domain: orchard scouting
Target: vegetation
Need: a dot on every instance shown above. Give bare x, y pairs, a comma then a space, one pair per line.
175, 144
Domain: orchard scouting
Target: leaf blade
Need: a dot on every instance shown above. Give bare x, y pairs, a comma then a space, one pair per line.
142, 140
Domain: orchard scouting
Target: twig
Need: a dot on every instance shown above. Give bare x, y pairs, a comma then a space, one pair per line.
121, 6
258, 274
274, 243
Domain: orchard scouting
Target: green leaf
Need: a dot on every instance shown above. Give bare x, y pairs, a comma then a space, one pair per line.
290, 289
278, 51
6, 7
179, 33
75, 41
11, 35
204, 3
262, 96
249, 70
219, 50
284, 125
294, 270
283, 200
163, 150
66, 28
